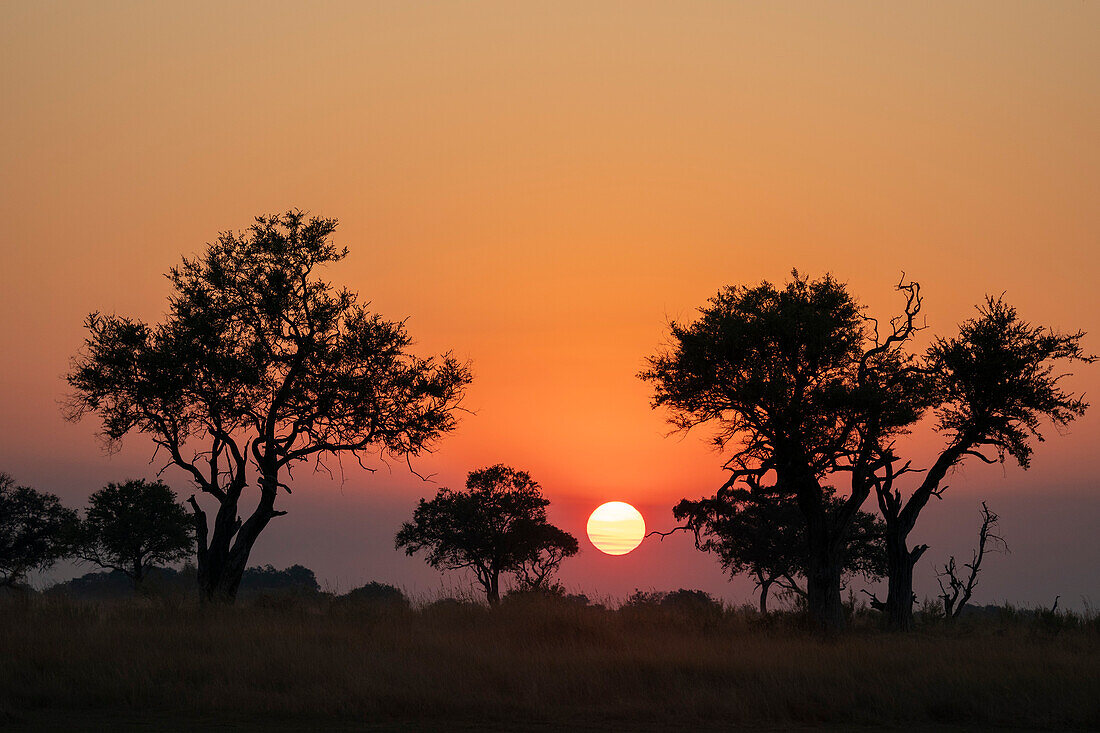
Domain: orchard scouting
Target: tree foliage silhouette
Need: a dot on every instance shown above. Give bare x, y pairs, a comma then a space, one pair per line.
35, 531
798, 388
496, 526
993, 386
134, 526
258, 366
761, 533
801, 385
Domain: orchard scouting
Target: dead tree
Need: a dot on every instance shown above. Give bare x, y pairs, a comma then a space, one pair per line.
956, 593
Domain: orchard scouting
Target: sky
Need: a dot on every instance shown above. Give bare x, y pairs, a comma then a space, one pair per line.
541, 187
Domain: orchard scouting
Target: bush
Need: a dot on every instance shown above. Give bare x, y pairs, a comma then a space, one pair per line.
379, 594
267, 580
555, 595
682, 600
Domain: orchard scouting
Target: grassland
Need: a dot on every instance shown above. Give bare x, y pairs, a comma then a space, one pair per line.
320, 664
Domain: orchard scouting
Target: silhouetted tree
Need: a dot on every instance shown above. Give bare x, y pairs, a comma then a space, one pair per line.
799, 385
134, 526
260, 365
993, 384
497, 525
956, 594
762, 534
550, 546
35, 531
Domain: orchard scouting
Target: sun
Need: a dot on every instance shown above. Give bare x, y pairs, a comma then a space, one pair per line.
616, 528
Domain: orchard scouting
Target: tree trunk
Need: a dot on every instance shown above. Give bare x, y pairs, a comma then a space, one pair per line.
823, 577
492, 591
900, 561
765, 586
223, 555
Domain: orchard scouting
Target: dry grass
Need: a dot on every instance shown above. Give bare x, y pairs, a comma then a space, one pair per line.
543, 665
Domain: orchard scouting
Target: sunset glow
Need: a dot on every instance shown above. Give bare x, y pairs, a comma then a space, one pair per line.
540, 188
616, 528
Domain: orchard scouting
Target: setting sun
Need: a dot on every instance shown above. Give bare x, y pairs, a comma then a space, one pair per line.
616, 528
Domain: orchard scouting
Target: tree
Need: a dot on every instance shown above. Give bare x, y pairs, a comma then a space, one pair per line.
134, 526
994, 383
761, 533
496, 526
956, 594
259, 366
550, 546
35, 531
799, 385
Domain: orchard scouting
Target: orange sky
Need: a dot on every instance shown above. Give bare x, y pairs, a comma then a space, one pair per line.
538, 187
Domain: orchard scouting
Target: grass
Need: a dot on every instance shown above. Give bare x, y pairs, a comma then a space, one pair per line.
290, 663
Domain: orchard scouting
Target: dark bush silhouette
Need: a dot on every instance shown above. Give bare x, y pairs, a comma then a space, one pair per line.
115, 584
260, 365
265, 579
35, 531
381, 594
134, 526
497, 525
683, 601
257, 581
555, 595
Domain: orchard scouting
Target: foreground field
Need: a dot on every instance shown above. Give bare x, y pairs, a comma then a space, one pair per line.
153, 665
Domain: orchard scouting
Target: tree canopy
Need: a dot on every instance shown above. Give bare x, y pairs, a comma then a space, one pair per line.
497, 525
992, 387
800, 385
260, 365
36, 531
797, 383
134, 526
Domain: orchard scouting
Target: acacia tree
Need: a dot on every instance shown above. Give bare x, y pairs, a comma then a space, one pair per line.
133, 526
994, 385
35, 531
259, 366
761, 533
799, 385
496, 526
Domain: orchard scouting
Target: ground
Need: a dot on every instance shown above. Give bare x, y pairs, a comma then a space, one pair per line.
293, 664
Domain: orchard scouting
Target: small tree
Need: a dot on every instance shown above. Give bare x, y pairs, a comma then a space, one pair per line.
496, 526
762, 534
133, 526
550, 546
35, 531
956, 594
260, 366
